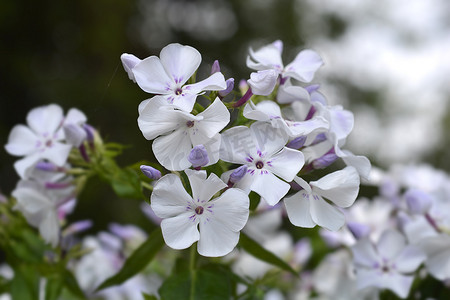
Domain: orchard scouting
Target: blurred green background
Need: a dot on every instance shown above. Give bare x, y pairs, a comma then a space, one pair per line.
386, 62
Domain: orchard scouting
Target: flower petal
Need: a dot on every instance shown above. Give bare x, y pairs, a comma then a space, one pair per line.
216, 239
181, 231
21, 141
158, 118
45, 119
57, 153
325, 215
49, 228
253, 113
365, 254
409, 259
151, 76
267, 139
298, 211
269, 187
237, 142
215, 118
204, 188
215, 82
172, 150
266, 57
341, 187
180, 62
184, 101
169, 198
232, 209
292, 93
25, 166
305, 64
391, 244
286, 163
75, 116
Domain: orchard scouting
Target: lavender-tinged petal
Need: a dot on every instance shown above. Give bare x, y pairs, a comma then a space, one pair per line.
237, 174
215, 67
150, 172
230, 87
297, 143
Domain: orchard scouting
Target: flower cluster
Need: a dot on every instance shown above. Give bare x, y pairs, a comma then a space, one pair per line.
285, 128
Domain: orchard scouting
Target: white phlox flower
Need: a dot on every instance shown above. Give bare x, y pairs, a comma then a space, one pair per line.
168, 74
73, 127
215, 223
40, 206
176, 131
302, 68
41, 139
262, 149
308, 208
269, 111
388, 264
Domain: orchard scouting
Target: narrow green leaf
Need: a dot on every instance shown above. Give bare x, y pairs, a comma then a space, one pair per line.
71, 283
25, 284
255, 249
53, 287
149, 297
140, 258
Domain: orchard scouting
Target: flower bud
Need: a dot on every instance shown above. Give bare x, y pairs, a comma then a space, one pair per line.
312, 88
358, 230
215, 67
324, 161
78, 227
198, 156
74, 134
150, 172
418, 201
129, 61
263, 82
297, 143
47, 166
237, 174
230, 86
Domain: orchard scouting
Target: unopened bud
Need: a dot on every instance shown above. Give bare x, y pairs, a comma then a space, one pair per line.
312, 88
237, 174
215, 67
150, 172
129, 61
47, 166
297, 143
77, 227
358, 230
198, 156
74, 134
418, 201
230, 87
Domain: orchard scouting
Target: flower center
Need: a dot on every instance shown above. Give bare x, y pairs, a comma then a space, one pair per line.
190, 124
178, 91
259, 164
48, 143
199, 210
385, 269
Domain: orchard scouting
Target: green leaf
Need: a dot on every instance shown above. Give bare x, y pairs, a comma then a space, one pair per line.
71, 283
254, 200
201, 284
127, 184
140, 258
25, 284
149, 297
53, 287
255, 249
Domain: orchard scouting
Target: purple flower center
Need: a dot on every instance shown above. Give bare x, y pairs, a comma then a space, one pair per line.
178, 91
199, 210
259, 164
48, 143
190, 124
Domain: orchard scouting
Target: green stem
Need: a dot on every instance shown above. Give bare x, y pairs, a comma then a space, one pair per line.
192, 262
147, 185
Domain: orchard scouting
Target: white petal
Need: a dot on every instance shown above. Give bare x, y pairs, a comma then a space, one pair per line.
151, 76
368, 278
169, 198
341, 121
398, 283
184, 101
181, 231
172, 150
409, 259
49, 228
158, 118
231, 209
45, 119
291, 93
57, 153
364, 253
325, 215
297, 208
180, 61
75, 116
21, 141
306, 127
25, 166
303, 184
305, 64
212, 147
267, 139
391, 244
269, 187
237, 142
216, 239
215, 82
360, 163
439, 265
129, 61
266, 57
32, 201
204, 188
286, 163
315, 151
215, 118
341, 187
251, 112
244, 184
263, 82
270, 108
